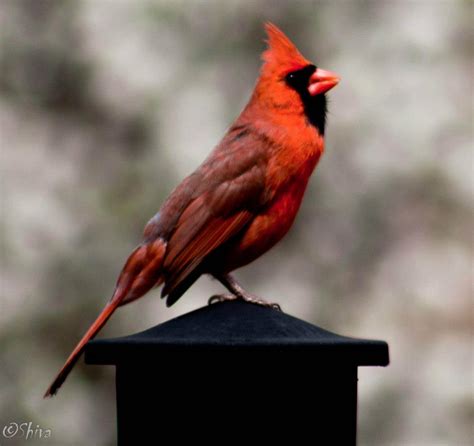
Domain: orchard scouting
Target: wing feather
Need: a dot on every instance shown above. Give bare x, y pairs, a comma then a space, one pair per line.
216, 203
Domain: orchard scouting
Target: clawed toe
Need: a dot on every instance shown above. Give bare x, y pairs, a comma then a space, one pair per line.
217, 298
275, 306
264, 303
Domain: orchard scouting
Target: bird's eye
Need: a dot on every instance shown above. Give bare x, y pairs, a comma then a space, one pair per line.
298, 79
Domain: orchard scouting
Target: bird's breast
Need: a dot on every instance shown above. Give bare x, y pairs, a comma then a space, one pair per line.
271, 224
294, 157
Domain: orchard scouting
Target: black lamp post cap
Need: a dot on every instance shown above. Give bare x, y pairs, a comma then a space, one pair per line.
237, 326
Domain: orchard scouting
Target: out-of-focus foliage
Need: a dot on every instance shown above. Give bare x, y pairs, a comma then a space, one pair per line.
106, 105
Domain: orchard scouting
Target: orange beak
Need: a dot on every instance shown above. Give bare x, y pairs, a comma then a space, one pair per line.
322, 81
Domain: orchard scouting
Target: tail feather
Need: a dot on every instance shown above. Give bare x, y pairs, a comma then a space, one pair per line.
140, 273
74, 356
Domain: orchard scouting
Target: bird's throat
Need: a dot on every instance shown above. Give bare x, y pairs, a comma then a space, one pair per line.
315, 110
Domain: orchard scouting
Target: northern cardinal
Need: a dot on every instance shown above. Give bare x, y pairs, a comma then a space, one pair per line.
241, 200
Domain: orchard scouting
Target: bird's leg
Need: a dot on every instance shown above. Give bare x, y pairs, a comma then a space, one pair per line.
239, 293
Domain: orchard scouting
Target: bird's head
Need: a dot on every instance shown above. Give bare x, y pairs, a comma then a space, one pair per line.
291, 84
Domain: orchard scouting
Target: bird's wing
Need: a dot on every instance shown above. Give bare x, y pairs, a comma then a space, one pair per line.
230, 192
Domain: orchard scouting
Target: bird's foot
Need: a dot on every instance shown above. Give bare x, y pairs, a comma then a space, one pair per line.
252, 299
246, 297
218, 298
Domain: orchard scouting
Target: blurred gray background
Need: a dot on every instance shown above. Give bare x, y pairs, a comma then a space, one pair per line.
106, 105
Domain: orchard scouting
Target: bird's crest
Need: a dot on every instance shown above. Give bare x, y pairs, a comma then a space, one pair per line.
281, 52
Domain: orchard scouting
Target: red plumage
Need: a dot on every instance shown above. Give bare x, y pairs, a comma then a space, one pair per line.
243, 198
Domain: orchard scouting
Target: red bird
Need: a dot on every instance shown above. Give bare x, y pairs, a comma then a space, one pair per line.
241, 200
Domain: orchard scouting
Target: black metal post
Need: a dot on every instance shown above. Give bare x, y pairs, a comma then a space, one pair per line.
235, 371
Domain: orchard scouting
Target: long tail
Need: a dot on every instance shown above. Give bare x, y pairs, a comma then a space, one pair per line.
74, 356
141, 272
